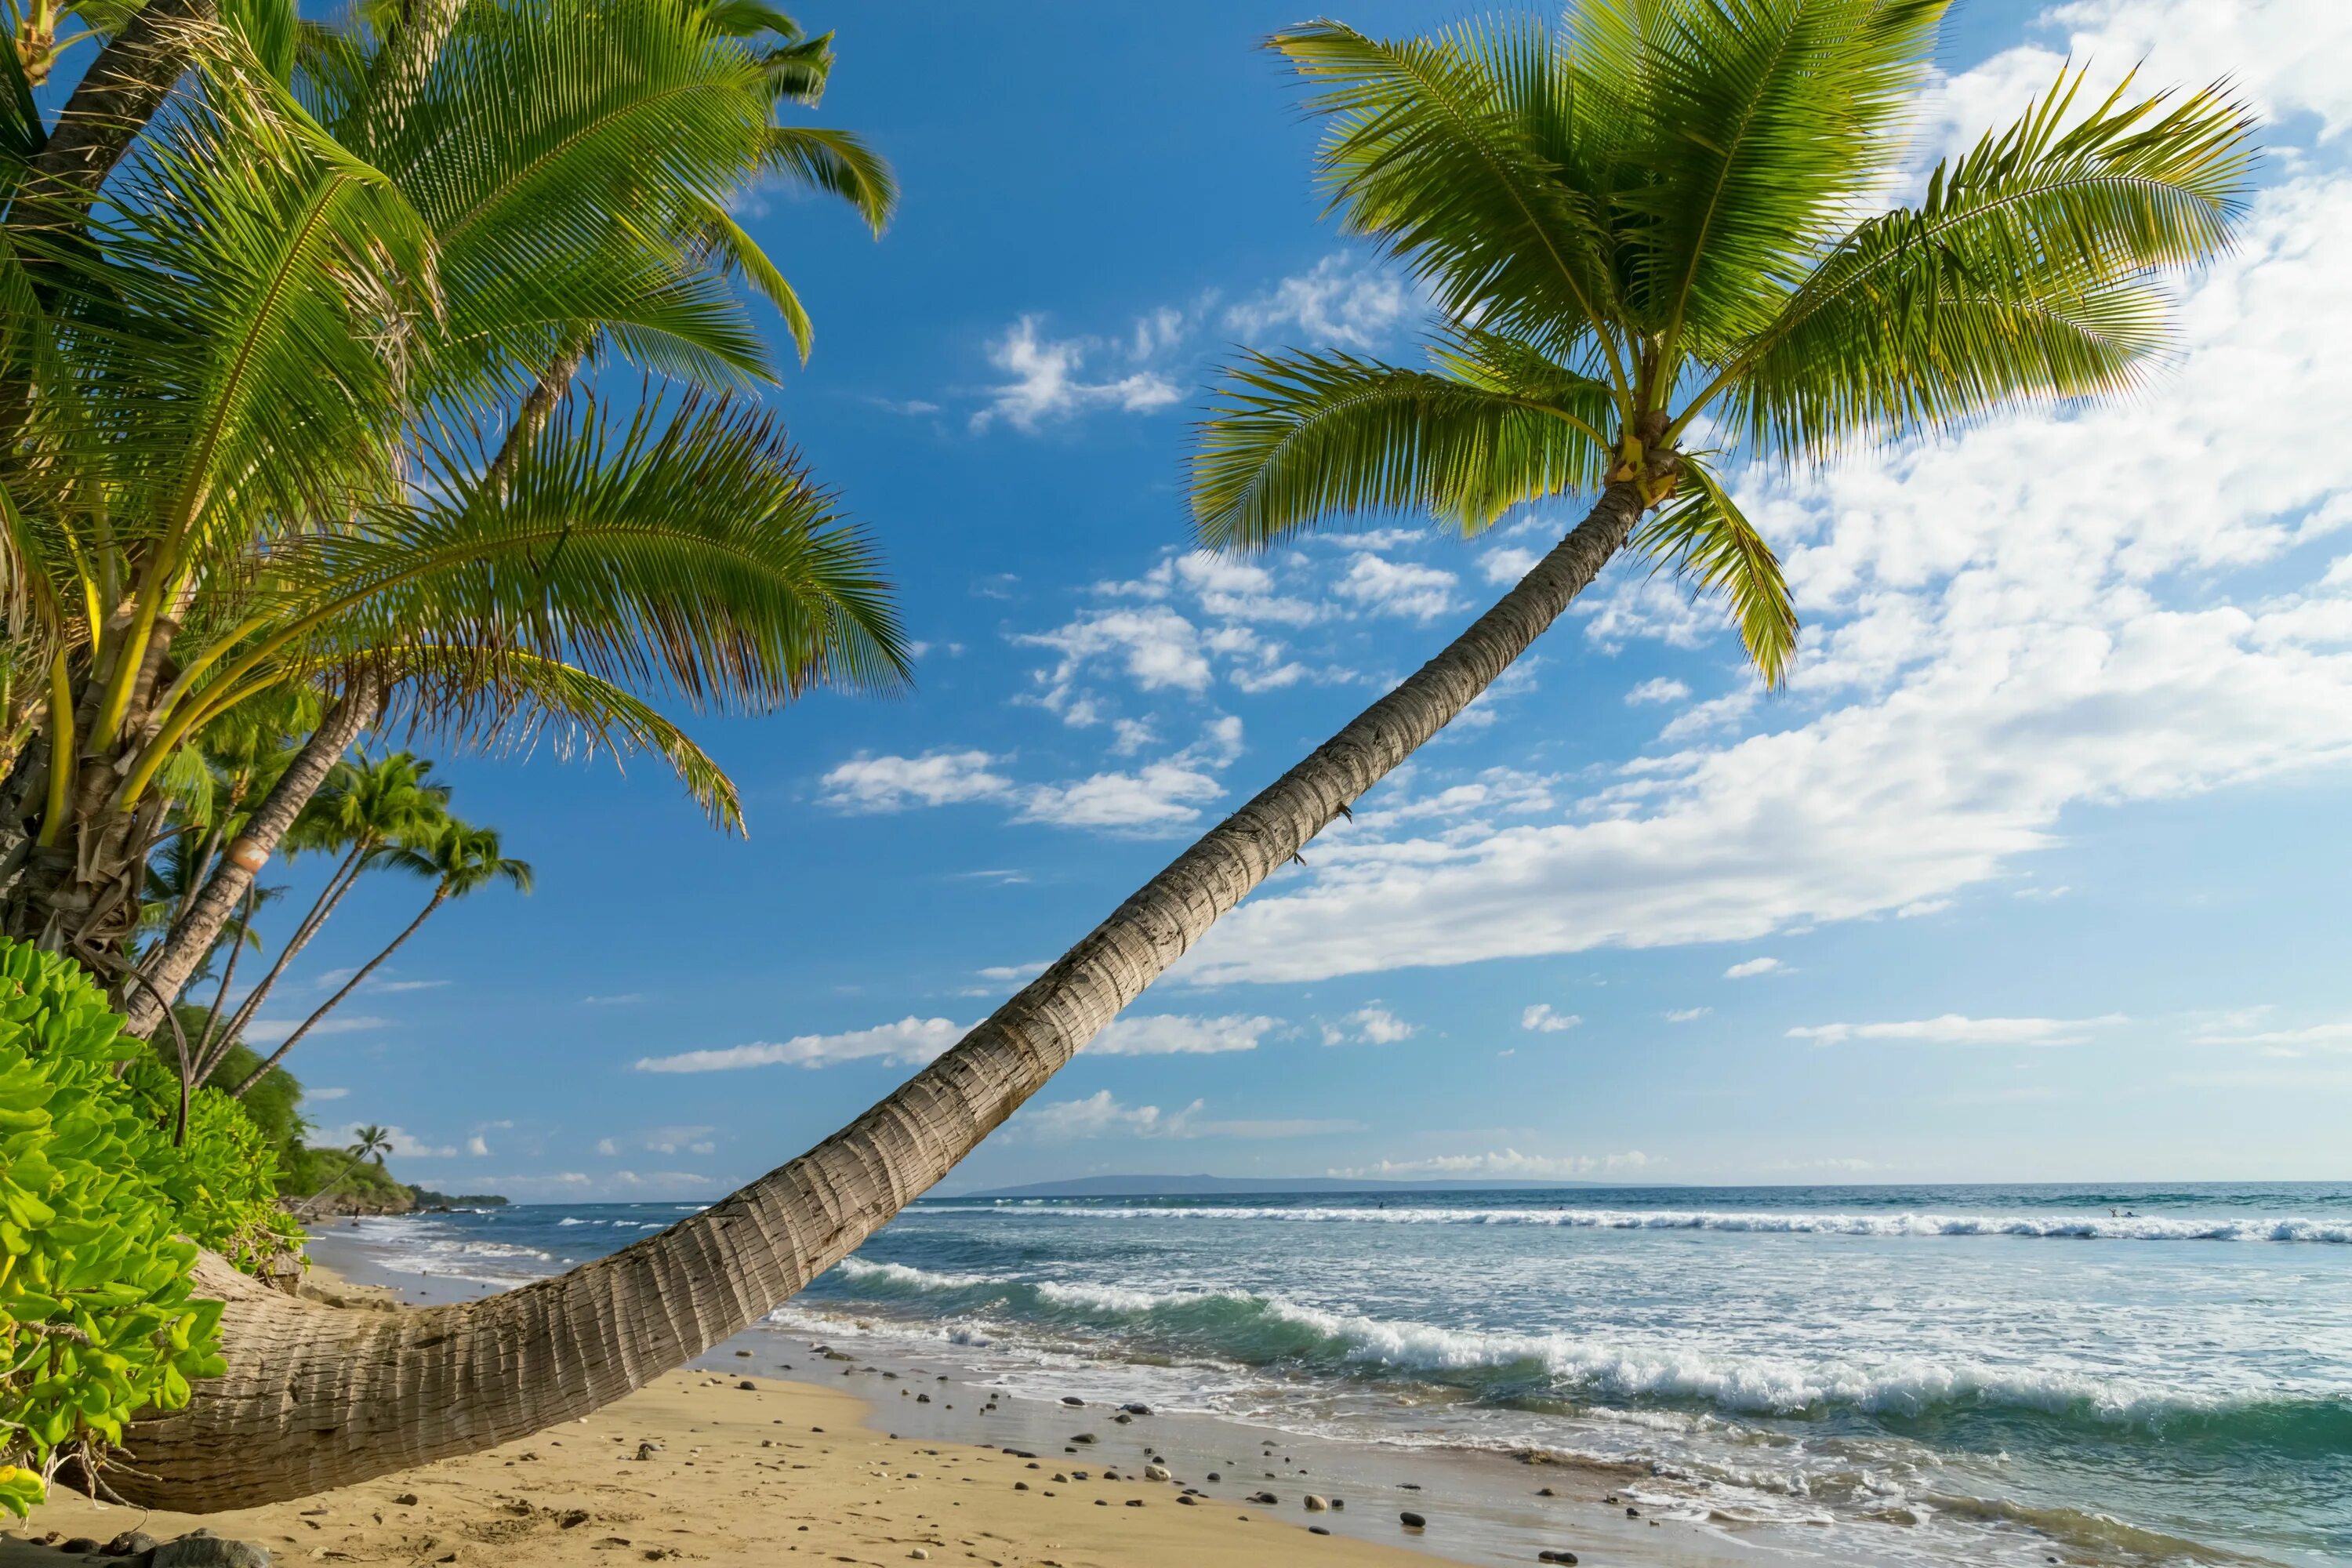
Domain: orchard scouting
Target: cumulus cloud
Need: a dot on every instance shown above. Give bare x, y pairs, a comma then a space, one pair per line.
1685, 1014
1045, 383
1661, 689
1403, 588
1748, 969
1953, 1029
1344, 301
867, 783
1373, 1026
1543, 1020
909, 1041
1171, 1034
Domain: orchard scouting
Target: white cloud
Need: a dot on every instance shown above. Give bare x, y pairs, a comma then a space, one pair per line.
1344, 301
1748, 969
1953, 1029
1685, 1014
688, 1140
1170, 1034
1047, 385
1542, 1019
1508, 563
1373, 1026
907, 1042
1401, 588
397, 988
478, 1144
868, 783
1507, 1163
273, 1031
1659, 688
1158, 796
310, 1092
1154, 647
2332, 1036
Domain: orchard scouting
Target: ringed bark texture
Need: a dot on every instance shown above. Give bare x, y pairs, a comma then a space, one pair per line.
316, 1397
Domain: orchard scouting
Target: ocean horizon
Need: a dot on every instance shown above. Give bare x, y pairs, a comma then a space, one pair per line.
1964, 1374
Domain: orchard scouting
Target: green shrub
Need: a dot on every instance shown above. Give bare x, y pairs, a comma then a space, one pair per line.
100, 1219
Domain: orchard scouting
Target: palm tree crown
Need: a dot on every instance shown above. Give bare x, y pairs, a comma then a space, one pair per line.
1660, 218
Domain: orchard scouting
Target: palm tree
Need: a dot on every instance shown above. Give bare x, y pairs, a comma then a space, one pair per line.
460, 859
368, 1142
244, 405
1645, 216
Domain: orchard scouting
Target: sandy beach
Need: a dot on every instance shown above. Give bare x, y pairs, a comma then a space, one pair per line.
705, 1467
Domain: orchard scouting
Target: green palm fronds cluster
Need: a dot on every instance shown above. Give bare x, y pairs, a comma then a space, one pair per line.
1656, 219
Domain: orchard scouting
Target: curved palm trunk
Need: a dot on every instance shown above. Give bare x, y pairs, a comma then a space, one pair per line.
315, 1398
193, 936
440, 896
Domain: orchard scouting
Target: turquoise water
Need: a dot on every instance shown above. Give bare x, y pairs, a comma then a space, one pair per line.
1956, 1373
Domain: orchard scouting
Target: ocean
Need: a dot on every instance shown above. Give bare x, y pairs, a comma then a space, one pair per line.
1950, 1375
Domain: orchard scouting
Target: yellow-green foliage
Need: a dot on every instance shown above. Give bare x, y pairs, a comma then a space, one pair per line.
101, 1218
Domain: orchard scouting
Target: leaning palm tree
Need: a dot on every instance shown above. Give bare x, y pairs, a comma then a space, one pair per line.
460, 858
1649, 217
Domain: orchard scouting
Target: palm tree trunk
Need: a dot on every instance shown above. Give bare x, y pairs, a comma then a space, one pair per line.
538, 405
117, 95
192, 938
316, 1399
324, 905
440, 894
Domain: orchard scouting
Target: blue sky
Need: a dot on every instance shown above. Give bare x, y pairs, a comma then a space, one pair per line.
2036, 872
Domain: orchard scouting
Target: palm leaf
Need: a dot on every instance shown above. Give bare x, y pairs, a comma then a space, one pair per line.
1706, 540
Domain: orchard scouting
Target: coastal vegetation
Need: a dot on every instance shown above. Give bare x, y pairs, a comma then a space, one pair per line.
1641, 228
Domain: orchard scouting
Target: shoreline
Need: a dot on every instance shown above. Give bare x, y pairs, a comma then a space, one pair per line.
1485, 1508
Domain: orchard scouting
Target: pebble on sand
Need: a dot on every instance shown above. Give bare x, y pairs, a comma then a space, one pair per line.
1410, 1520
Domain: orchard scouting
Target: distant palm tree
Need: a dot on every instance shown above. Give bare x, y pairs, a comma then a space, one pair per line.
369, 1142
460, 859
1644, 219
368, 808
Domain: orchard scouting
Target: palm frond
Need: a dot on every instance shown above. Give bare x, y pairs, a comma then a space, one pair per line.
1705, 539
838, 163
2023, 273
735, 252
1297, 438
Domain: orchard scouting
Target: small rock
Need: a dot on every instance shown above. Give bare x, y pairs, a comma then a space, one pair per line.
1337, 1503
1135, 1409
1316, 1530
747, 1382
1072, 1399
1318, 1505
1084, 1438
1545, 1492
1187, 1500
1410, 1520
1264, 1498
1061, 1477
1415, 1486
744, 1353
1569, 1557
82, 1546
1135, 1502
130, 1543
405, 1499
1214, 1477
646, 1450
1632, 1513
1122, 1419
1155, 1472
920, 1554
922, 1399
198, 1549
1021, 1486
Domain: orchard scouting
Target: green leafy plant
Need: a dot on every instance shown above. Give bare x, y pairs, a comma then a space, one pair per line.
102, 1215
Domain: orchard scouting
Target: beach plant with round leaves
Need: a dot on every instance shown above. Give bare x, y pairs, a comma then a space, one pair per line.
101, 1216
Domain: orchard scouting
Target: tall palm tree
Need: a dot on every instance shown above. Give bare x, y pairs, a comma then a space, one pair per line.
460, 858
248, 404
1647, 215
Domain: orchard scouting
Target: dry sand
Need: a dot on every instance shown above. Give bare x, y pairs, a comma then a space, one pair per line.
771, 1473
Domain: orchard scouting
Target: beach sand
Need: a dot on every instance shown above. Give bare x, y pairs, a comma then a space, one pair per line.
743, 1471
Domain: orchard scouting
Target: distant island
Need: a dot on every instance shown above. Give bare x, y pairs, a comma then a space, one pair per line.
428, 1199
1207, 1186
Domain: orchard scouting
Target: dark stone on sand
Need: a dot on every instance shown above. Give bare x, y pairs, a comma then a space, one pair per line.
1135, 1502
571, 1519
199, 1549
1122, 1419
79, 1546
1072, 1399
1186, 1498
1136, 1409
132, 1543
1021, 1486
1632, 1513
1567, 1557
1084, 1438
1410, 1486
406, 1499
1316, 1530
1410, 1520
1545, 1492
1214, 1477
1264, 1497
747, 1382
